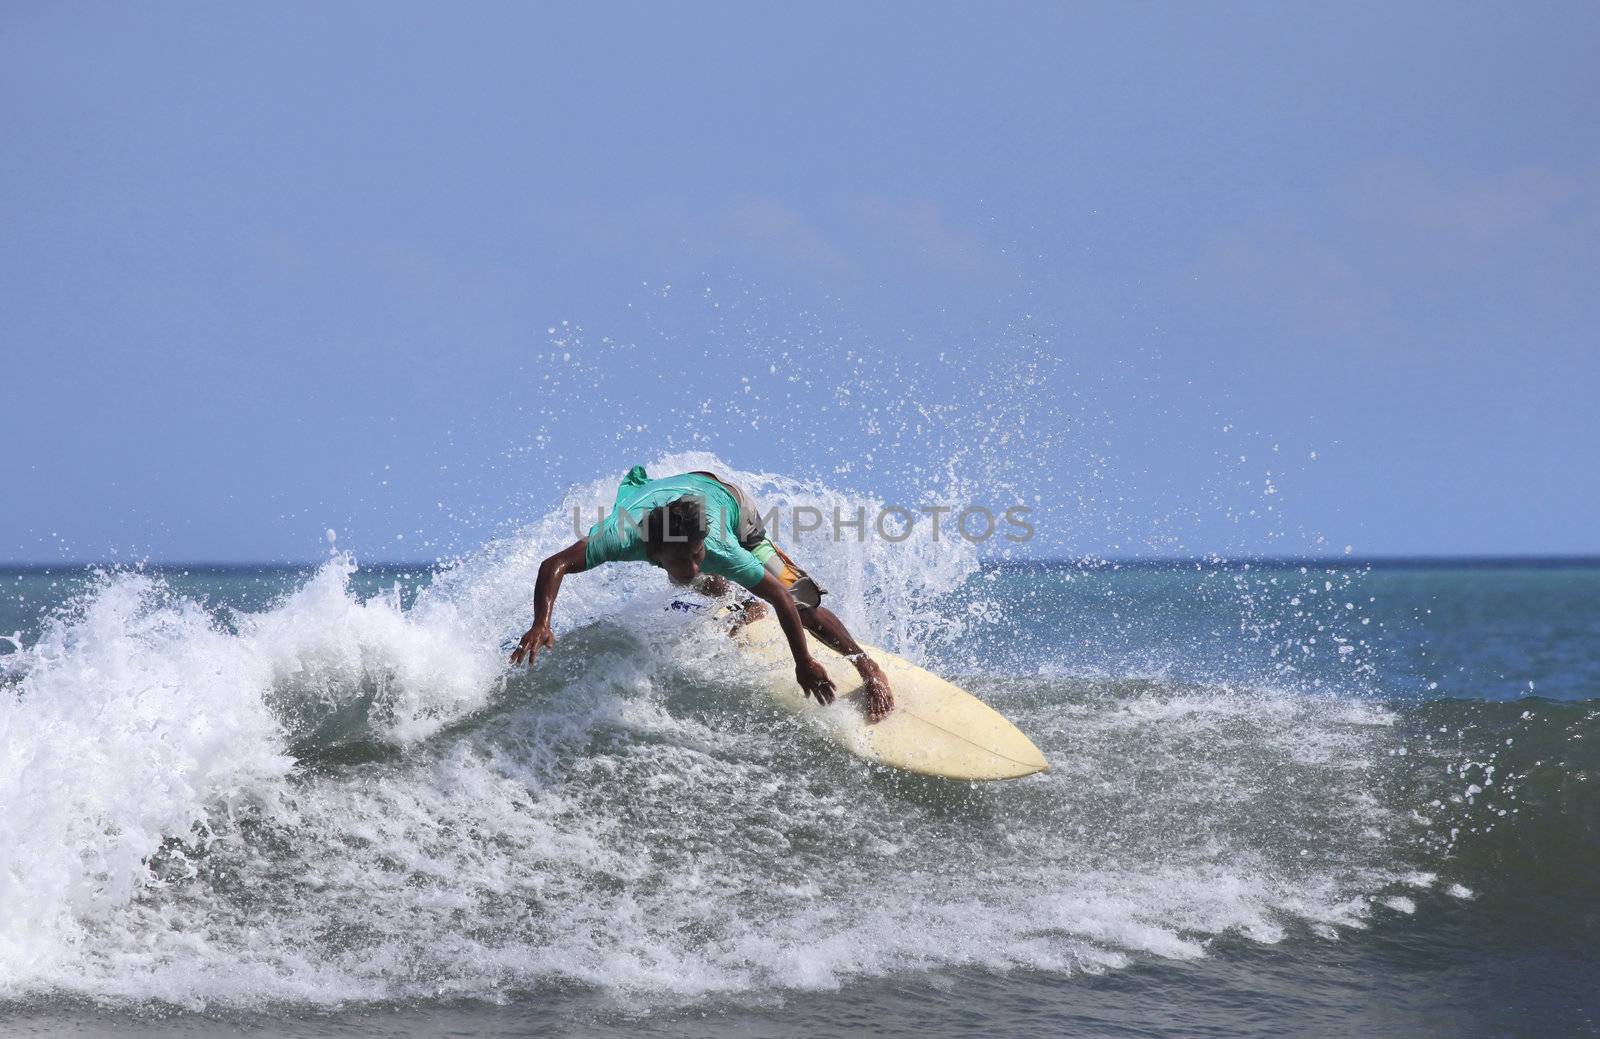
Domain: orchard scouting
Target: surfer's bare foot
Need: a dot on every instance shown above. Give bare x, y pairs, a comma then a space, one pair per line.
880, 700
753, 611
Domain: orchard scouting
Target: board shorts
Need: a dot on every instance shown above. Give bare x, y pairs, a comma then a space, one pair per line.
753, 538
802, 586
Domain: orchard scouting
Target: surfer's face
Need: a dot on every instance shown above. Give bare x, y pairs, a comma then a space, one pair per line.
681, 564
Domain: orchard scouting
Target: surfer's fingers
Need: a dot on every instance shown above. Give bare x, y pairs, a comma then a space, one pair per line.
530, 644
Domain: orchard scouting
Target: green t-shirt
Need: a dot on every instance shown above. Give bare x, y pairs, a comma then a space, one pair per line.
615, 540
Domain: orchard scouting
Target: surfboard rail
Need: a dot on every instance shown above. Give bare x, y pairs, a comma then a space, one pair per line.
936, 728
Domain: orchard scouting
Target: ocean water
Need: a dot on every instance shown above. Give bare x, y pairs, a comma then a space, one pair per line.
1308, 798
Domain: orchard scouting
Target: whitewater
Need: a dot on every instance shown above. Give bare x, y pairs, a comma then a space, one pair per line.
332, 791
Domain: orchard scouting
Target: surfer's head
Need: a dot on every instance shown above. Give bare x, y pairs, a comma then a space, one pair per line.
675, 538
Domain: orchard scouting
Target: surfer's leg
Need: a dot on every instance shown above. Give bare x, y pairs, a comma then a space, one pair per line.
831, 632
829, 629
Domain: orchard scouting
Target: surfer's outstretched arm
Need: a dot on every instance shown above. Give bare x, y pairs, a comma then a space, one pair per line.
808, 671
569, 560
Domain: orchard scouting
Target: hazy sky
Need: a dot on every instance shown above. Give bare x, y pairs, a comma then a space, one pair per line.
270, 269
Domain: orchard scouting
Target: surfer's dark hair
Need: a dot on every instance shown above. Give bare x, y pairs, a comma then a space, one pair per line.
677, 524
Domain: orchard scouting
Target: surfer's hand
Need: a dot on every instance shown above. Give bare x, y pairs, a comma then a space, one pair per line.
813, 678
537, 638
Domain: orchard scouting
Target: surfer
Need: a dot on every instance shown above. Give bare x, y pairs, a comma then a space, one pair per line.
705, 532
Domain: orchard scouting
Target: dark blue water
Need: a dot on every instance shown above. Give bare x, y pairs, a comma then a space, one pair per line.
1312, 799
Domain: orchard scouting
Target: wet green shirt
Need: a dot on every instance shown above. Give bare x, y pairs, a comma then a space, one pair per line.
615, 540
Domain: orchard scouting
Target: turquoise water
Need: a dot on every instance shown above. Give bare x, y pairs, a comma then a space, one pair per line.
1308, 798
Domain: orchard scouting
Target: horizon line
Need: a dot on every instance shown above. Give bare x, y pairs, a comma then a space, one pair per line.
1540, 559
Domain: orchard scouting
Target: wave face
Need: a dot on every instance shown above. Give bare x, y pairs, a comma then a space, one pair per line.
338, 795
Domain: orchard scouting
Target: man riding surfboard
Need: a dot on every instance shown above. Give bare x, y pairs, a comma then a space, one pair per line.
704, 532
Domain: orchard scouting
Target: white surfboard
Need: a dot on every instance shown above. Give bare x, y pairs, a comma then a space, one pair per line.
935, 729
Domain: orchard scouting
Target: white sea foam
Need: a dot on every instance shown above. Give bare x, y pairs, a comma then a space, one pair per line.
178, 823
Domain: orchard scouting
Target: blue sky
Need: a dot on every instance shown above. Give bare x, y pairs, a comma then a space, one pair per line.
409, 271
